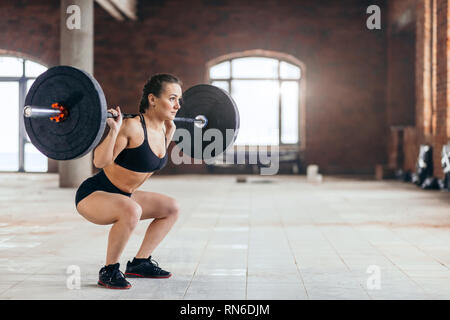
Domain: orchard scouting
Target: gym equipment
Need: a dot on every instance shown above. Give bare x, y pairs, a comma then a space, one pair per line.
424, 165
445, 162
65, 113
217, 106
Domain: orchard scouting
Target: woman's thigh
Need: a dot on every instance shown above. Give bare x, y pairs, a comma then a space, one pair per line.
102, 207
155, 205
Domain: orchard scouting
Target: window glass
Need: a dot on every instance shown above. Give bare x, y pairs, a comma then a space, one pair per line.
258, 96
9, 126
11, 67
221, 84
220, 71
257, 101
255, 67
35, 161
289, 112
33, 69
289, 71
9, 122
29, 84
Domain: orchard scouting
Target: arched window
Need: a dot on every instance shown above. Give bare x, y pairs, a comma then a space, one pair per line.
266, 91
16, 151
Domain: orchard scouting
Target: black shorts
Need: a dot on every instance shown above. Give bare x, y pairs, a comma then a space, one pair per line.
98, 182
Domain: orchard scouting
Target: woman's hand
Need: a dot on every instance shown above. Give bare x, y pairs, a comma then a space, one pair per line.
170, 129
170, 125
115, 123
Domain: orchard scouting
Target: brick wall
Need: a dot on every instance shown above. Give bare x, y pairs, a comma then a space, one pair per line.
401, 42
441, 112
401, 90
431, 123
30, 28
345, 95
432, 54
345, 101
410, 148
423, 68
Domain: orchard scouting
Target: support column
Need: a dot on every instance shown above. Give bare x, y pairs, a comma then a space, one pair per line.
77, 50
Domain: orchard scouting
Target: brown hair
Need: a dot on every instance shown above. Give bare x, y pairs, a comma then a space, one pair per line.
155, 85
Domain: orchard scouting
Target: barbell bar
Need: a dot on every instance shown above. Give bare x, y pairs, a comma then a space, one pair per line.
57, 113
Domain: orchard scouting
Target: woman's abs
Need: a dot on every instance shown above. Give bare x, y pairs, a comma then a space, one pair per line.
124, 179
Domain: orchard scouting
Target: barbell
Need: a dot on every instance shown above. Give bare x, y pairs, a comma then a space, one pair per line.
65, 114
59, 113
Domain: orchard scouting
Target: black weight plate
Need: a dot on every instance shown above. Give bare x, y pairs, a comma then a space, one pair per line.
217, 106
81, 94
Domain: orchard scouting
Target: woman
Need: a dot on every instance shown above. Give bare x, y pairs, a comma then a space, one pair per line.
131, 152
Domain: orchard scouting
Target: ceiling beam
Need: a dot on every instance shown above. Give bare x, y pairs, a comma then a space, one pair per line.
120, 9
127, 7
109, 7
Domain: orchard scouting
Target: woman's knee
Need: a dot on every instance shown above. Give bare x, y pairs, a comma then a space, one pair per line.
173, 209
130, 213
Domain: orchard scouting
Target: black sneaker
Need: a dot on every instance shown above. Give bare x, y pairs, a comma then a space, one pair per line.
112, 278
145, 268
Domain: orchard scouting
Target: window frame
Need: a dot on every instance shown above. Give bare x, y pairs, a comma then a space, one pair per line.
22, 80
300, 145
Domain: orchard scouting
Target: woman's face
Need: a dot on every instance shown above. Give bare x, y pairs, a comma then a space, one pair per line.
168, 102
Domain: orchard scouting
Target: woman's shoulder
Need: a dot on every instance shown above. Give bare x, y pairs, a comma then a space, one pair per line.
131, 126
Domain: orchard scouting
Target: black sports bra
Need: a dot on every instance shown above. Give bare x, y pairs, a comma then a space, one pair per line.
142, 158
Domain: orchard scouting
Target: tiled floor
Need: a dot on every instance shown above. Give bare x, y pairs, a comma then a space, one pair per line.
270, 238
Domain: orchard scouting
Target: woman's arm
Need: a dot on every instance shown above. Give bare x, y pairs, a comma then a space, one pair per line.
107, 151
115, 141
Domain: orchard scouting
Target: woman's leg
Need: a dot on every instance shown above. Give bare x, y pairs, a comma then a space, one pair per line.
165, 212
111, 208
